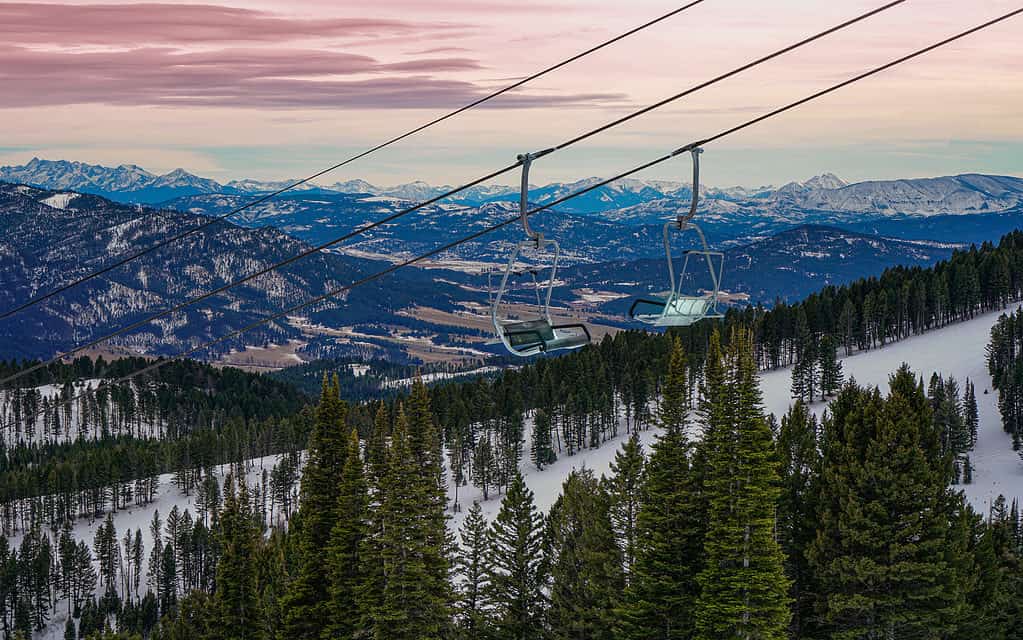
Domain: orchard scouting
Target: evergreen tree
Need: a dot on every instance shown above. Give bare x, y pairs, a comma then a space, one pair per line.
483, 467
412, 606
662, 588
517, 573
881, 554
236, 598
797, 520
971, 413
305, 605
542, 448
830, 367
674, 409
342, 553
743, 588
625, 493
473, 570
586, 564
167, 589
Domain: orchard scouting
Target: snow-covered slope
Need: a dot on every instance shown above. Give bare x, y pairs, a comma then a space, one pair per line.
957, 351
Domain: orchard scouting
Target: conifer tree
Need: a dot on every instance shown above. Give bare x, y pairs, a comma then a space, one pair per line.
235, 600
342, 552
881, 554
586, 564
433, 505
305, 604
743, 588
483, 466
625, 492
542, 448
971, 414
674, 409
662, 587
412, 605
797, 521
517, 572
376, 451
830, 367
473, 570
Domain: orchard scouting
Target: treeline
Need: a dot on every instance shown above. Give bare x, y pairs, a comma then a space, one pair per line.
54, 484
845, 528
1005, 364
166, 402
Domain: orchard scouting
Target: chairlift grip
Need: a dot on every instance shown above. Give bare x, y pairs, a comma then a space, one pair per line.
683, 219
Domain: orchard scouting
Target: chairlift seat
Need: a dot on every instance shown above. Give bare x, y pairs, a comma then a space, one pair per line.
529, 337
680, 311
538, 334
677, 309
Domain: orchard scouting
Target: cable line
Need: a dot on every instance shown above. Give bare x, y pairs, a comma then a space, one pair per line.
184, 234
437, 198
549, 205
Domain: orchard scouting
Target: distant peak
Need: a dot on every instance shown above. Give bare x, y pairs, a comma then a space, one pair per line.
825, 181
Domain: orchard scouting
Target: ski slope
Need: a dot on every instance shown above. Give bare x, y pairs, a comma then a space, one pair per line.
957, 351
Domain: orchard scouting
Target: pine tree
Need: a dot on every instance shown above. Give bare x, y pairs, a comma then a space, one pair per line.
376, 451
881, 553
342, 553
305, 604
743, 588
167, 589
586, 564
797, 522
473, 569
670, 524
542, 448
483, 466
971, 414
412, 605
235, 600
625, 493
433, 504
517, 573
830, 367
674, 409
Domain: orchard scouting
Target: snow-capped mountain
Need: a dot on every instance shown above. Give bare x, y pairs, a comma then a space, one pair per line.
825, 198
64, 174
125, 183
264, 186
963, 194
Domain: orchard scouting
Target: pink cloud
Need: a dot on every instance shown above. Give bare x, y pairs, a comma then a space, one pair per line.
155, 23
281, 78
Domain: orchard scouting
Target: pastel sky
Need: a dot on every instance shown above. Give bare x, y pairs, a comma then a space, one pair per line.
271, 90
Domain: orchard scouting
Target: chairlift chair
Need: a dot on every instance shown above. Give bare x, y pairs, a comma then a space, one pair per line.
537, 333
679, 309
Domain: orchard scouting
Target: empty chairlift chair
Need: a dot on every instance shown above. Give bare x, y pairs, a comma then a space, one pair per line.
536, 333
677, 308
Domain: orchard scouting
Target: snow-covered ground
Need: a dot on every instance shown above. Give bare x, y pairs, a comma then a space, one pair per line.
138, 519
957, 351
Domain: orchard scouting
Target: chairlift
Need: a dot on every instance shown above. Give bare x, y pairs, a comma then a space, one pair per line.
537, 333
679, 309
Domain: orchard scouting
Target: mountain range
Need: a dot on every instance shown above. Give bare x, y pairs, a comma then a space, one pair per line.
955, 195
53, 237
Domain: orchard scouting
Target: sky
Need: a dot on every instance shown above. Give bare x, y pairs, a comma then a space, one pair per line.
275, 90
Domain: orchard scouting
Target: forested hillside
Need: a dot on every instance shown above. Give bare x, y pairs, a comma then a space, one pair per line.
391, 476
